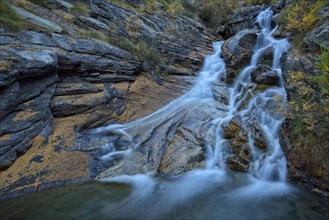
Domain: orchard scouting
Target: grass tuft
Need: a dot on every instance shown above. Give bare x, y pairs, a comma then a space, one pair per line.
8, 17
81, 9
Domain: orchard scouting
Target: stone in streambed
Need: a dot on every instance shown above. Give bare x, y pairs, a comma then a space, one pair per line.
238, 50
265, 75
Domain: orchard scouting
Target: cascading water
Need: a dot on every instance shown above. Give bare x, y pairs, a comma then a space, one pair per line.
273, 165
208, 193
201, 93
267, 170
265, 166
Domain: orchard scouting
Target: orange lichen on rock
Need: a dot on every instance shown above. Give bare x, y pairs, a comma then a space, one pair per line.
122, 86
43, 164
23, 115
143, 100
5, 137
38, 141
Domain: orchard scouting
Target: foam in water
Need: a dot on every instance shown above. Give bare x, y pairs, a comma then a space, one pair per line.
264, 167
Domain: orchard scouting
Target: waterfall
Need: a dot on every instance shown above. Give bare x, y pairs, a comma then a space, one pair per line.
268, 166
273, 165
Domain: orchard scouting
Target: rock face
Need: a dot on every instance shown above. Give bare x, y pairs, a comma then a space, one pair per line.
237, 51
306, 125
243, 19
319, 35
55, 86
43, 23
37, 66
172, 140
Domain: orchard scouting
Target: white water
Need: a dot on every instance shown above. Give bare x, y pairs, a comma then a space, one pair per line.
268, 171
200, 94
274, 165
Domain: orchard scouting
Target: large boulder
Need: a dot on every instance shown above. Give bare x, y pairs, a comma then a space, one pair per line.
238, 50
265, 75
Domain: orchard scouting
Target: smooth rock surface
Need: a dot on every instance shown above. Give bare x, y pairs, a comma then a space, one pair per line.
265, 75
56, 87
238, 49
41, 22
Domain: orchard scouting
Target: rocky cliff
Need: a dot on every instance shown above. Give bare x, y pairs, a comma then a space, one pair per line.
72, 70
58, 82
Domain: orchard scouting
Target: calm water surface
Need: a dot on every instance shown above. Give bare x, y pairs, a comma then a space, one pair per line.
238, 197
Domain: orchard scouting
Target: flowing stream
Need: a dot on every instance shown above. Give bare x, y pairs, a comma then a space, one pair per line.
212, 192
265, 166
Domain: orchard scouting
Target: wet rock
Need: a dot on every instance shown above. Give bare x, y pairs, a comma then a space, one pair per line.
219, 92
267, 78
237, 50
238, 162
232, 130
231, 74
170, 146
267, 57
260, 144
265, 75
240, 156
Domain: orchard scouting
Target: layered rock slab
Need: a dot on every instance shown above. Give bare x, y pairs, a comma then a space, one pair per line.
92, 83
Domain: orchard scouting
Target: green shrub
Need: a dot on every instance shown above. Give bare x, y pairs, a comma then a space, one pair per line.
149, 53
81, 9
171, 6
213, 11
123, 43
8, 17
133, 26
322, 67
148, 7
296, 15
303, 15
94, 34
